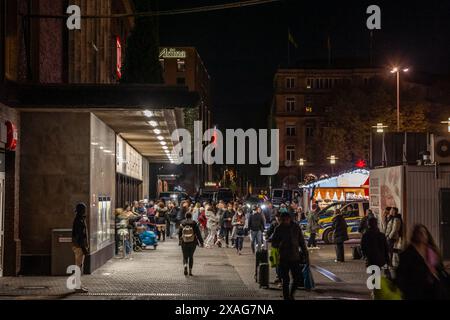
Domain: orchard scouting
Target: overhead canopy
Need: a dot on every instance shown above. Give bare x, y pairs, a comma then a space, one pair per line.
352, 179
144, 115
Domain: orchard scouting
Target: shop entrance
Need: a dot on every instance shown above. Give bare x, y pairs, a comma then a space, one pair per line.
2, 219
445, 223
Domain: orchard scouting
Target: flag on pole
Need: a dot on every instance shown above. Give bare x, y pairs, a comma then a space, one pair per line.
291, 39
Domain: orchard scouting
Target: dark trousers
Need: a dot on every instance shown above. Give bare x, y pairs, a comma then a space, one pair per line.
312, 240
239, 243
340, 252
296, 271
226, 232
188, 254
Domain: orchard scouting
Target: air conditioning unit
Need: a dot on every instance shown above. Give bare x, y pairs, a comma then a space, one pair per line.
440, 149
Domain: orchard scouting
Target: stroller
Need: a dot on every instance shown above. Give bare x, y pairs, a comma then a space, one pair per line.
148, 239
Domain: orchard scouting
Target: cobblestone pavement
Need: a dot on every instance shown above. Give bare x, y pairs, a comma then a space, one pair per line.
219, 274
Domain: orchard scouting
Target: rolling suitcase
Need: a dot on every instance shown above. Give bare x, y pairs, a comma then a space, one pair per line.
263, 275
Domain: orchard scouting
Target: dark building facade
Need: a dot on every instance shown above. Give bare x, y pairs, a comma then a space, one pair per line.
300, 110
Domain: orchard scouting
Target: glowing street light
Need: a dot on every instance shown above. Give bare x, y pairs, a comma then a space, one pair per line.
397, 70
301, 163
380, 129
333, 160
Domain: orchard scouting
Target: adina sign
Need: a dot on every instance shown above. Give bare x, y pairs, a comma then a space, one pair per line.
172, 53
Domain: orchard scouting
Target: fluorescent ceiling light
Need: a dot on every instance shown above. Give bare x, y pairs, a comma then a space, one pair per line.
148, 113
163, 143
157, 131
161, 138
153, 123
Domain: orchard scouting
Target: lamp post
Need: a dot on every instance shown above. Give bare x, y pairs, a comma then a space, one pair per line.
380, 129
301, 163
397, 71
447, 123
332, 159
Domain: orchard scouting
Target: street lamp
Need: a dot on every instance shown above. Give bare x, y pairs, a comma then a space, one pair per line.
397, 70
380, 129
301, 163
447, 123
332, 159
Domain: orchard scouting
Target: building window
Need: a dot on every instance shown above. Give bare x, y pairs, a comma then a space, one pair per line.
308, 109
290, 104
309, 83
328, 109
181, 65
290, 83
290, 153
290, 131
309, 132
163, 65
181, 81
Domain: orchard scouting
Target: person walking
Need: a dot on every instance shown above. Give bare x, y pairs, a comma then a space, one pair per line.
340, 235
227, 223
172, 214
312, 227
80, 242
288, 238
393, 231
161, 217
421, 274
212, 225
256, 224
239, 224
189, 238
374, 245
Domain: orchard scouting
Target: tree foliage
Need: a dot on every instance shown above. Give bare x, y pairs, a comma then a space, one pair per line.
356, 109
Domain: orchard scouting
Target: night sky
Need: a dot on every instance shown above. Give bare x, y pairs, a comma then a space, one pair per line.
243, 47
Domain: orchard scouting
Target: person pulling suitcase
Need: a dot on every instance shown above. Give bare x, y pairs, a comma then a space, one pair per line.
288, 238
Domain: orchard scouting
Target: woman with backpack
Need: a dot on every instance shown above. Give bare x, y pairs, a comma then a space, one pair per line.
189, 237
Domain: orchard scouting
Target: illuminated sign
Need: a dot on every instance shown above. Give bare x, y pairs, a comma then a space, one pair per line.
119, 58
172, 53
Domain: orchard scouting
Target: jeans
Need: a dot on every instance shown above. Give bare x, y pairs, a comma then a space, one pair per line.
188, 254
289, 288
340, 252
173, 229
256, 238
239, 243
312, 240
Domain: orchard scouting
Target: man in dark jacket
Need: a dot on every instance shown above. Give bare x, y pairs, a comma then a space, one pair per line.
340, 235
256, 224
374, 245
80, 243
288, 238
189, 237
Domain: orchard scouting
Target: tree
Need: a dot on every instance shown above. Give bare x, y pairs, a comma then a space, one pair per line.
356, 108
141, 63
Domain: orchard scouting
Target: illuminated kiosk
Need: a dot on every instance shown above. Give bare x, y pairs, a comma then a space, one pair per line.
347, 186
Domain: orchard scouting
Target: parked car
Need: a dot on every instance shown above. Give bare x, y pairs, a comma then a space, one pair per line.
353, 211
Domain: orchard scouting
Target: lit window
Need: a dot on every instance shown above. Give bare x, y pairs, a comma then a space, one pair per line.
290, 104
308, 109
309, 83
290, 131
290, 153
181, 65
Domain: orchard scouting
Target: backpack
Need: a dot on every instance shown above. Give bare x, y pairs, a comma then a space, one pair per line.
188, 234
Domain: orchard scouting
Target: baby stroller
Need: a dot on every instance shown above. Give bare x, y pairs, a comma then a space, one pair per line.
148, 239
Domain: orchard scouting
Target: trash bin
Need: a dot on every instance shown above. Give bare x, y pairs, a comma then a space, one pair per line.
62, 254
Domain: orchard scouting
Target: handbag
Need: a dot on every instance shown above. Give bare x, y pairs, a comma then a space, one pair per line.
308, 278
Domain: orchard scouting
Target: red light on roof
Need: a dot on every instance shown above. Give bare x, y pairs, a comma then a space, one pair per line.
361, 164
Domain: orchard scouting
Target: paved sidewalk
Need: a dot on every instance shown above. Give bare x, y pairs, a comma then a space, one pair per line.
218, 274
